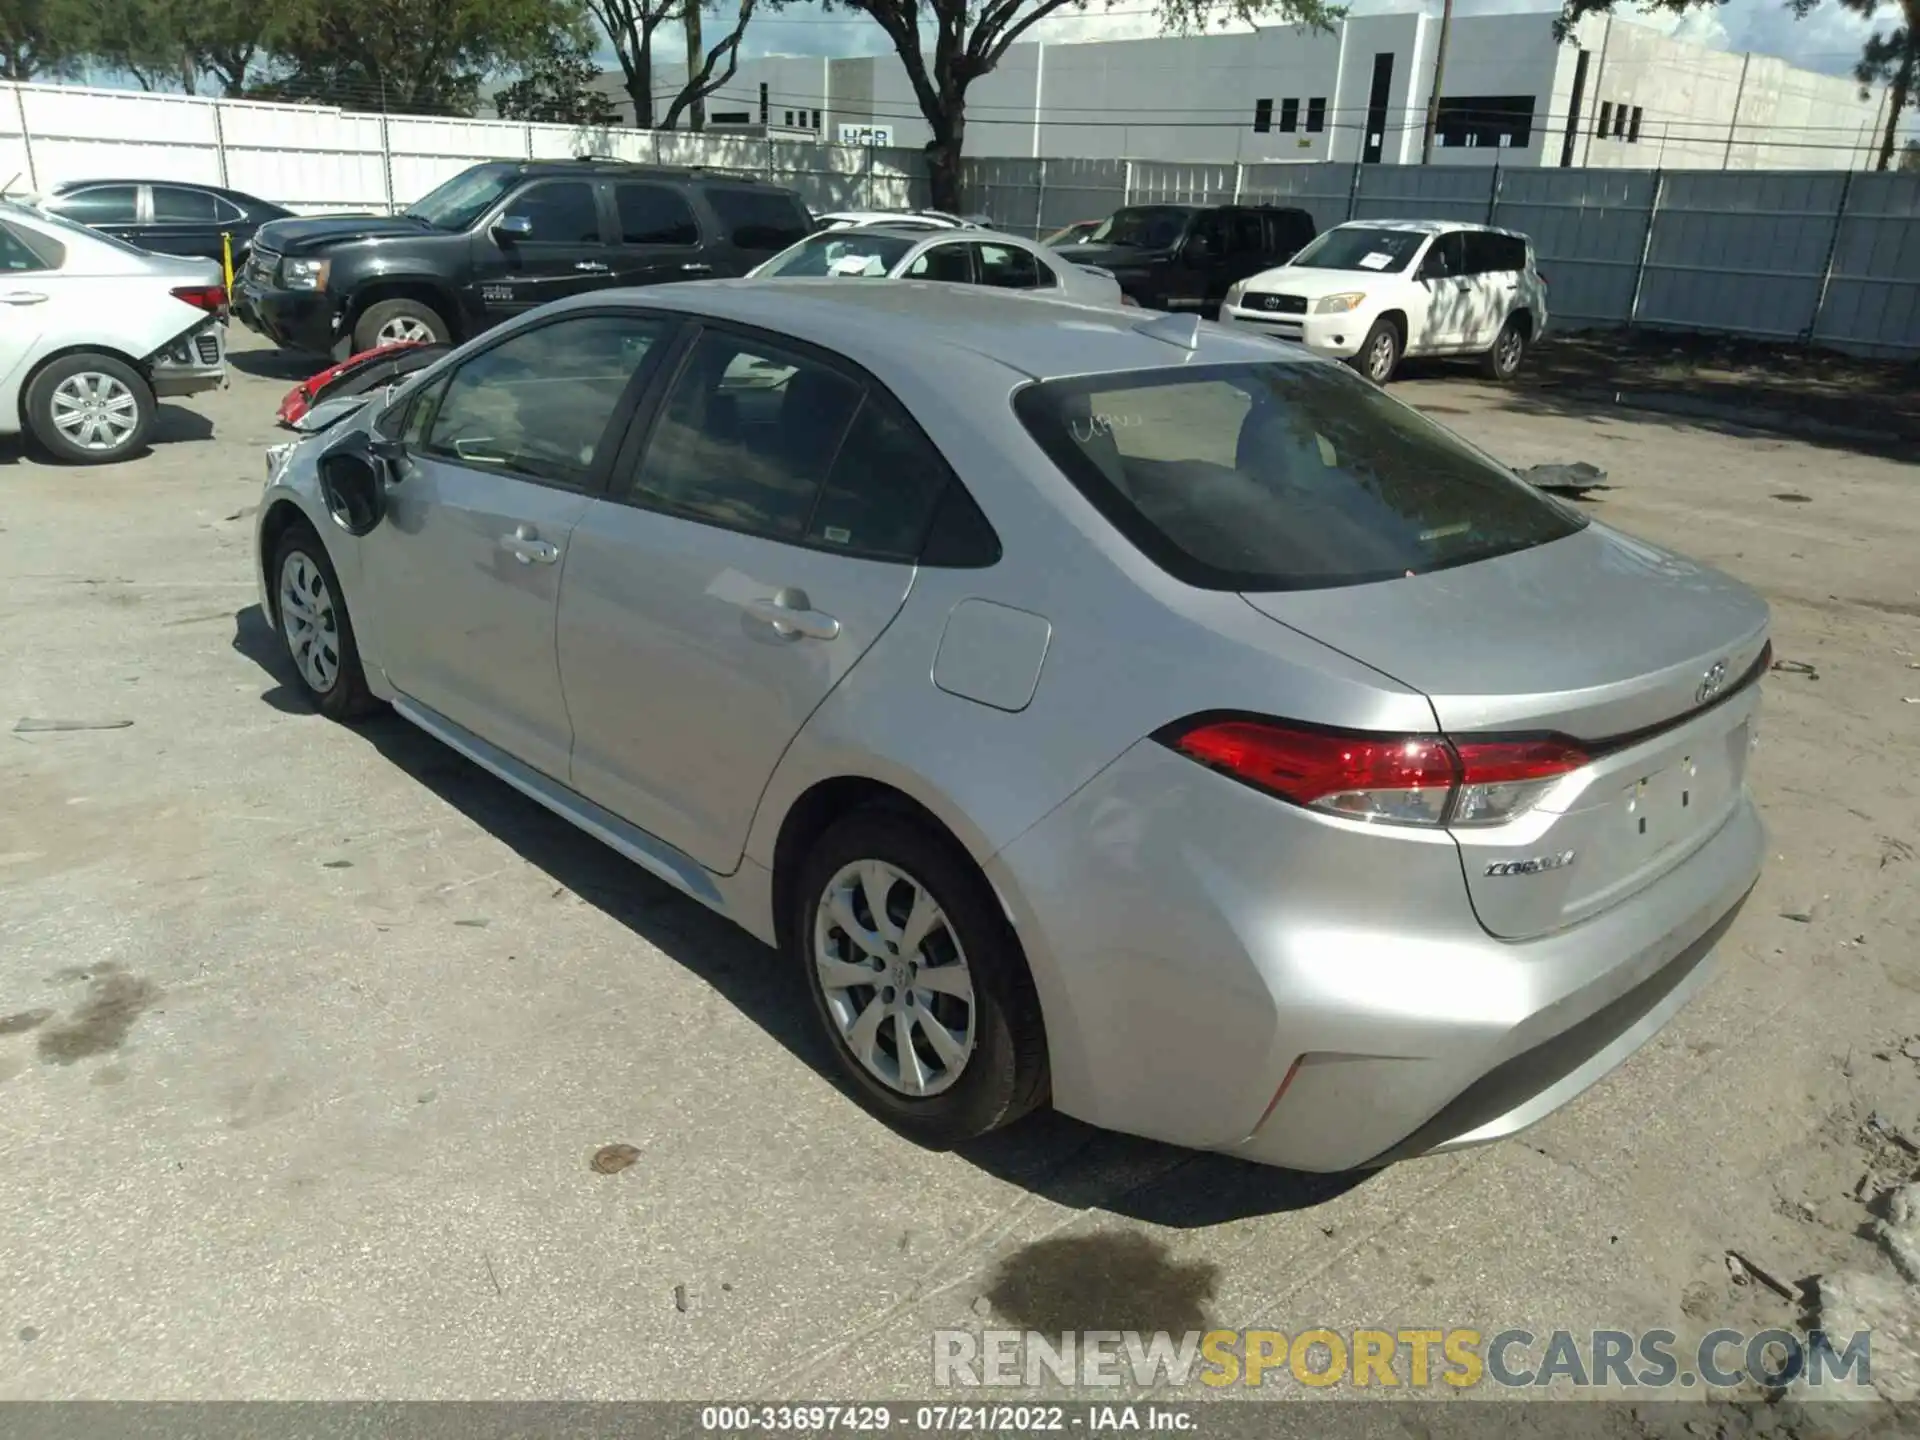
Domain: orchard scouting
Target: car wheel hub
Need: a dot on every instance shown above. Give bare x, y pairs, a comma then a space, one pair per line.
1381, 360
309, 621
404, 329
895, 978
95, 411
1510, 351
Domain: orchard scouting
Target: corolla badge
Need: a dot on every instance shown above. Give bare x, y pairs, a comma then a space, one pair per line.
1711, 683
1538, 865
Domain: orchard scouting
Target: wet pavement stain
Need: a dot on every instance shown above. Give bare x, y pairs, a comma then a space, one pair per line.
1102, 1282
100, 1023
23, 1022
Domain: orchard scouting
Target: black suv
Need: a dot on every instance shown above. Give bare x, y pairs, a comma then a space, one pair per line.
1184, 257
499, 239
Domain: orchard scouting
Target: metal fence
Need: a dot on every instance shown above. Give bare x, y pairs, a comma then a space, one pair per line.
1826, 256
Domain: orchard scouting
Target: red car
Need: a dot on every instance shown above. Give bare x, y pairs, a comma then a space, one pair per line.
357, 373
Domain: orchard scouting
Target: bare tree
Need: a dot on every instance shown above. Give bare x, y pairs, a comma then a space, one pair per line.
631, 26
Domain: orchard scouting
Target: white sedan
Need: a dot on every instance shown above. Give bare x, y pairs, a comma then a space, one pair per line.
92, 330
961, 257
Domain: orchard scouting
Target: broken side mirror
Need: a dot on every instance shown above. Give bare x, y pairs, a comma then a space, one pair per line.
353, 481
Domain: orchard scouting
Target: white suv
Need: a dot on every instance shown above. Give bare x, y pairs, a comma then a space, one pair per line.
1371, 291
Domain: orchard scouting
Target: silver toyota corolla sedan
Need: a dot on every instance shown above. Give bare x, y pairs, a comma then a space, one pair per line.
1110, 711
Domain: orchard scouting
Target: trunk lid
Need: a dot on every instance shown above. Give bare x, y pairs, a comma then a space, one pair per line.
1641, 654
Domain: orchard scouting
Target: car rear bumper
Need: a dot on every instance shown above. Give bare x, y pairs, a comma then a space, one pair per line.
191, 364
1337, 335
1199, 946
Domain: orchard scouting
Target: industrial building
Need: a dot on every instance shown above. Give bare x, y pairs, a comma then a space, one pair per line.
1615, 93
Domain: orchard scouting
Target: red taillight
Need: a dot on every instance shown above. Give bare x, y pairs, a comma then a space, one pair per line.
1399, 779
210, 298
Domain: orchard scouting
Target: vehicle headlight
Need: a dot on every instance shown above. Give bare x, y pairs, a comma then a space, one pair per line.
304, 274
1339, 304
1235, 291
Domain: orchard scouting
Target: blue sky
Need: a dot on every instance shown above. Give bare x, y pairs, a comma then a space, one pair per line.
1829, 39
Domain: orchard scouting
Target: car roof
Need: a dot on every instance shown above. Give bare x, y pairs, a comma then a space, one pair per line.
916, 324
606, 165
67, 187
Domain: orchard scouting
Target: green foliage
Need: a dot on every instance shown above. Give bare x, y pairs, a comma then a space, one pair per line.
557, 87
44, 39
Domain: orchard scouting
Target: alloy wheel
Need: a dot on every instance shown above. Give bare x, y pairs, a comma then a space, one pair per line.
1380, 359
895, 978
404, 330
309, 620
1508, 355
95, 411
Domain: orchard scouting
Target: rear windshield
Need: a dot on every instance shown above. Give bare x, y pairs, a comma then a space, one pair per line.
1354, 248
1285, 476
854, 252
766, 220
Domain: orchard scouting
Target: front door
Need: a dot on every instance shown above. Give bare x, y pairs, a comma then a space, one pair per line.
1447, 292
765, 538
657, 239
1246, 255
562, 253
501, 460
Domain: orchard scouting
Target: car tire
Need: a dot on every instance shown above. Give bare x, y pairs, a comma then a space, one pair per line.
1502, 362
1379, 354
90, 409
992, 1067
392, 321
319, 638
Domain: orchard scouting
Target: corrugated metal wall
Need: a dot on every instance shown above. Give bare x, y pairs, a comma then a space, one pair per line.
1820, 255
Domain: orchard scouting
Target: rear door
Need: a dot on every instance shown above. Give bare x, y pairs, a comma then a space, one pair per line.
751, 224
757, 538
565, 254
184, 221
502, 457
656, 236
29, 291
1495, 264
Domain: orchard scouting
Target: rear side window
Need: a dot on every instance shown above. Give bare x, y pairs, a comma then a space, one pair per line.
1489, 253
1284, 476
654, 215
943, 262
1007, 266
18, 256
759, 219
172, 205
880, 494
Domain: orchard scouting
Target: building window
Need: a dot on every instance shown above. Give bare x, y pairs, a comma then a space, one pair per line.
816, 119
1289, 116
1490, 120
731, 117
1316, 115
1606, 119
1619, 120
789, 119
1633, 127
1262, 116
765, 113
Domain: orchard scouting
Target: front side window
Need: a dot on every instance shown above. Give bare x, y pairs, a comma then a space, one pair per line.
100, 205
538, 403
1361, 247
562, 212
853, 252
747, 437
1281, 476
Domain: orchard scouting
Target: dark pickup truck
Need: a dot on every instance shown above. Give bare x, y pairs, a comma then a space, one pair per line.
1184, 257
499, 239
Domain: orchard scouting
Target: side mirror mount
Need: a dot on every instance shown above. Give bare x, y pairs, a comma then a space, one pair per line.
511, 229
353, 482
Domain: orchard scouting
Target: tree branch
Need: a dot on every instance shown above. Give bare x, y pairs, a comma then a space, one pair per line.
704, 84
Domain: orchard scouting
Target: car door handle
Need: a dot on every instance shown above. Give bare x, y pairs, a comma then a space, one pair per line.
592, 267
793, 619
526, 546
23, 297
694, 268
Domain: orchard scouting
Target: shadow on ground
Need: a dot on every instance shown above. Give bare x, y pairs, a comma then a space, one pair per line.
1725, 384
1060, 1159
172, 425
288, 365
